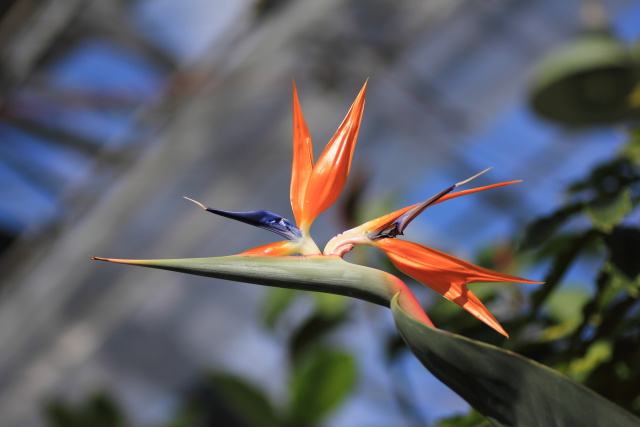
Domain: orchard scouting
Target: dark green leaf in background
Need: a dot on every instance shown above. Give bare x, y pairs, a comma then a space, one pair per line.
544, 228
306, 337
610, 177
277, 302
330, 305
607, 212
319, 385
624, 250
472, 419
99, 410
249, 404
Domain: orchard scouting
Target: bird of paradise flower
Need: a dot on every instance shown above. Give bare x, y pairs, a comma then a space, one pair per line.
298, 263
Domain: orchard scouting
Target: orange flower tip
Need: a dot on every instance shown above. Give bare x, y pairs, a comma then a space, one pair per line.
97, 258
197, 203
124, 261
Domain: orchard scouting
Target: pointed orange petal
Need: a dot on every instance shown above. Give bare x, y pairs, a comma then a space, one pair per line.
383, 222
283, 248
446, 275
330, 173
302, 158
475, 190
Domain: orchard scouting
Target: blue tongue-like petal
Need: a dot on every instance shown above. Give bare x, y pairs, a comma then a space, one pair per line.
262, 219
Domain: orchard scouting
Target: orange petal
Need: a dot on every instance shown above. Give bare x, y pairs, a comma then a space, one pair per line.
475, 190
302, 158
446, 275
384, 222
305, 246
330, 173
283, 248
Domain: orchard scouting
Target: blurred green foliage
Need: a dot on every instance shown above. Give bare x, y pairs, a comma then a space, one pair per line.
99, 410
320, 378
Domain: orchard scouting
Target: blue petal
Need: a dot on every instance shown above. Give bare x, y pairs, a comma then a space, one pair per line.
265, 220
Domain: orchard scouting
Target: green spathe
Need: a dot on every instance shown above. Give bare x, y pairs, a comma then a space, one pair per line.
329, 274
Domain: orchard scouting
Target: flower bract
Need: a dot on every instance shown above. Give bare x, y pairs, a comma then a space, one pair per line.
297, 261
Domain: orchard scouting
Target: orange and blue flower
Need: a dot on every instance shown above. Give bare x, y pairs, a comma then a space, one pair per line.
314, 187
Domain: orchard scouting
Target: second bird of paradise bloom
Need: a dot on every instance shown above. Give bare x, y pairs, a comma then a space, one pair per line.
297, 262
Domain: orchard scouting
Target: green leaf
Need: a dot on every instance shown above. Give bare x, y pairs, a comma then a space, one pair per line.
620, 283
609, 177
631, 150
394, 347
99, 410
565, 308
248, 403
567, 305
543, 228
312, 330
472, 419
278, 300
607, 212
320, 385
561, 264
330, 305
505, 387
599, 352
624, 250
